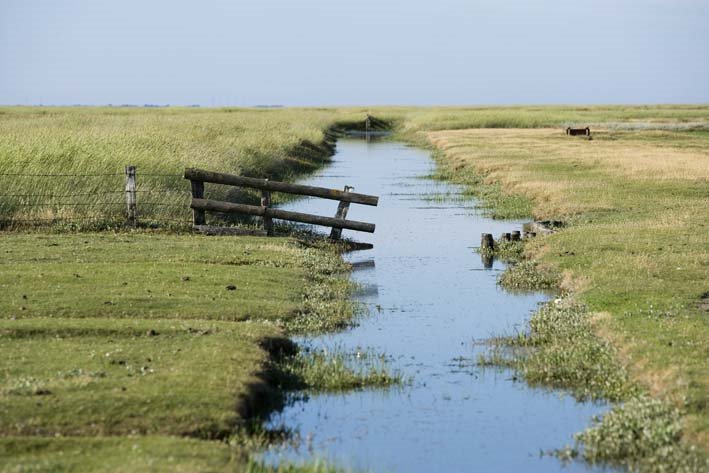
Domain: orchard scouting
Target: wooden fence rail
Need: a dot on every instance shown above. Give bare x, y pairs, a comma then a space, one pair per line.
274, 186
200, 205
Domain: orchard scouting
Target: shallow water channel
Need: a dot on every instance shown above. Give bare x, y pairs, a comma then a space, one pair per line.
431, 303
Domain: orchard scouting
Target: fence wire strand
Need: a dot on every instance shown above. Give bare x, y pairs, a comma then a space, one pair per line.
113, 216
86, 194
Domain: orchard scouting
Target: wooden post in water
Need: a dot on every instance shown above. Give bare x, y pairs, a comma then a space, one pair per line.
505, 237
131, 201
486, 242
516, 236
266, 203
342, 208
198, 215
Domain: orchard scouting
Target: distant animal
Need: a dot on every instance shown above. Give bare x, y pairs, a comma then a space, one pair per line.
578, 131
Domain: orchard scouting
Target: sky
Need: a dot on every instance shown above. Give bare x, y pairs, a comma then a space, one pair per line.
344, 52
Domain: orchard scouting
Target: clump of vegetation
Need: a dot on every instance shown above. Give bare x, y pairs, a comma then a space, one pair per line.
529, 275
569, 355
335, 370
326, 303
643, 434
505, 250
317, 466
562, 351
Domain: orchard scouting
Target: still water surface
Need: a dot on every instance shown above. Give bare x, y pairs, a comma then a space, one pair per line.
431, 303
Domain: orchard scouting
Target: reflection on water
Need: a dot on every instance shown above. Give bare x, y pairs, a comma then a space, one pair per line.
433, 301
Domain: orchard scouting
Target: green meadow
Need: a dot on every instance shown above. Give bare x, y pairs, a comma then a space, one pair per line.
155, 349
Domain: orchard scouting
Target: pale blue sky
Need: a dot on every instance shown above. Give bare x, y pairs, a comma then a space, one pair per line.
337, 52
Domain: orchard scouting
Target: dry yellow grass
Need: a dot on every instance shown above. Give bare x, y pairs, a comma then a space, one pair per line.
521, 158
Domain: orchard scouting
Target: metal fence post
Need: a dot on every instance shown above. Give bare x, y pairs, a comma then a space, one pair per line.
131, 201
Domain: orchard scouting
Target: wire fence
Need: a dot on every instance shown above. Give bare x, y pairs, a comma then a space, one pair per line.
92, 200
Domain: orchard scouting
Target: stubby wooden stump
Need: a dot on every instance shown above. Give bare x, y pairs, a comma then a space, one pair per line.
487, 242
516, 236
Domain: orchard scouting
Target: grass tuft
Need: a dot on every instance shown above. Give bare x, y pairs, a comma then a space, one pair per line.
507, 251
529, 275
562, 351
642, 434
334, 370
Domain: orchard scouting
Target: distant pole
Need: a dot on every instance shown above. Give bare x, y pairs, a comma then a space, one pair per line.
131, 201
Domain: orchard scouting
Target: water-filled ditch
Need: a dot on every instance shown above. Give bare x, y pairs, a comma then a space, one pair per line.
431, 302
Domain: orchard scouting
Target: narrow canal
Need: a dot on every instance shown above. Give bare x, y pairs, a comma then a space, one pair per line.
431, 302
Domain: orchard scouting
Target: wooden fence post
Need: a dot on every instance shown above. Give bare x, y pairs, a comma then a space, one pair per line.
486, 242
131, 201
266, 203
198, 216
342, 208
516, 235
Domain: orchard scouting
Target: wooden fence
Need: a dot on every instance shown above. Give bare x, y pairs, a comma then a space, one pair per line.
200, 205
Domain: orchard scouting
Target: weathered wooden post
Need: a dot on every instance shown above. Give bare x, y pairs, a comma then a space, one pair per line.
342, 208
516, 236
131, 201
198, 216
505, 237
487, 243
266, 203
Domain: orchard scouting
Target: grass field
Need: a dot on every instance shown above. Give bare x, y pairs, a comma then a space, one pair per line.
636, 245
68, 163
105, 335
119, 336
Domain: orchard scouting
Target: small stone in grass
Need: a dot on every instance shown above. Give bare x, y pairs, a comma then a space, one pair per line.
152, 333
231, 287
185, 278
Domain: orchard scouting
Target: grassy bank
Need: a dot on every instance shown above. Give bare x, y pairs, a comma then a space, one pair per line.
634, 248
133, 341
